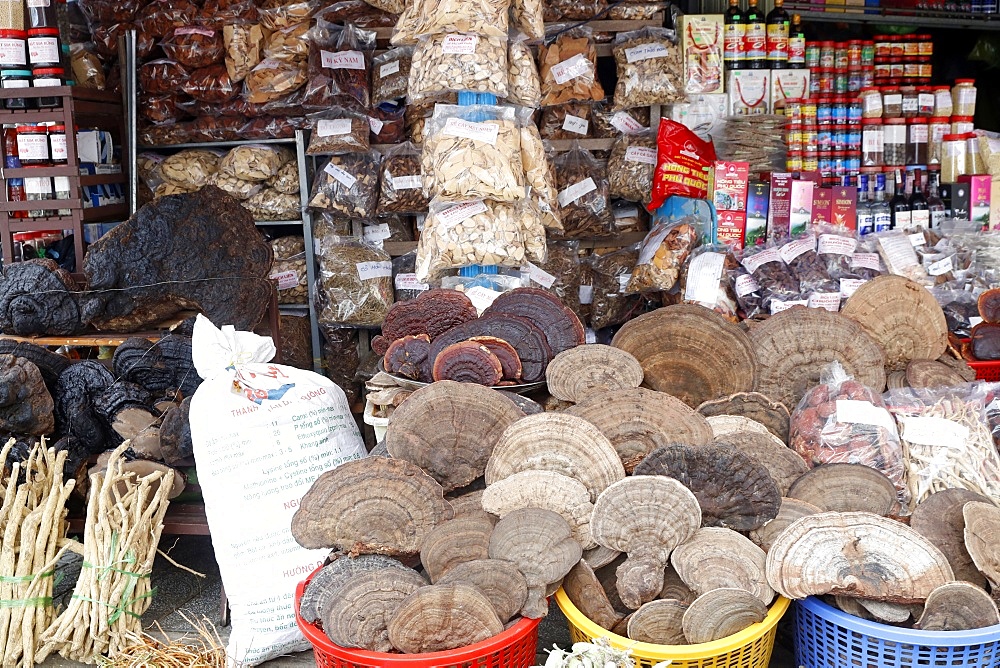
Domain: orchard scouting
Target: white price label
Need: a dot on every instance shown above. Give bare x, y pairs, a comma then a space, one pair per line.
899, 253
38, 3
464, 45
779, 306
12, 52
481, 297
829, 301
538, 275
865, 261
623, 281
576, 191
376, 234
646, 51
834, 244
32, 147
375, 125
571, 68
334, 127
745, 284
625, 124
848, 286
793, 249
407, 182
410, 282
388, 68
342, 60
704, 273
484, 132
377, 269
575, 124
754, 262
342, 176
641, 154
454, 215
940, 267
589, 336
286, 279
586, 294
934, 431
852, 411
917, 239
43, 49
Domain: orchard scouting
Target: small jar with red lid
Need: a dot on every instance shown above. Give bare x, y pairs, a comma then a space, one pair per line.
897, 70
13, 48
826, 80
48, 77
882, 49
793, 163
911, 102
938, 127
57, 144
839, 109
841, 59
892, 102
916, 141
810, 138
925, 101
841, 81
911, 48
962, 124
43, 47
896, 48
827, 54
33, 145
867, 53
925, 46
854, 53
894, 141
824, 111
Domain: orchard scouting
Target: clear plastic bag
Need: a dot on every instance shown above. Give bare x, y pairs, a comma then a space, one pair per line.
770, 273
162, 76
148, 167
211, 84
359, 13
473, 159
87, 69
649, 68
191, 168
705, 279
217, 14
608, 123
340, 360
631, 165
900, 259
488, 18
473, 232
402, 185
528, 17
347, 185
523, 82
452, 63
355, 283
289, 270
841, 421
339, 60
835, 247
404, 277
573, 10
583, 194
405, 32
286, 181
243, 43
273, 79
269, 204
288, 43
749, 295
338, 130
703, 66
809, 270
239, 188
278, 17
635, 11
533, 231
387, 124
538, 175
559, 273
629, 217
386, 228
391, 75
255, 162
194, 46
566, 121
568, 69
610, 274
662, 256
161, 108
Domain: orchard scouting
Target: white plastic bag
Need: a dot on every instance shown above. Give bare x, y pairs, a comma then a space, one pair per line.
262, 434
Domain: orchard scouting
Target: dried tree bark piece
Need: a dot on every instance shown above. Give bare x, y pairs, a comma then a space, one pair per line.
409, 356
563, 329
77, 390
443, 617
527, 339
433, 313
26, 407
467, 362
37, 297
499, 580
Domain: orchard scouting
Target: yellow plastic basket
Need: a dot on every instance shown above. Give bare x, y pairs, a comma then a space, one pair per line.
750, 648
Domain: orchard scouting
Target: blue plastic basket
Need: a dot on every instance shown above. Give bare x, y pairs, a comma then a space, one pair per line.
828, 638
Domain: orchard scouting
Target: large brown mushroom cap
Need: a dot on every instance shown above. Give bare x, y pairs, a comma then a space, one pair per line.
690, 352
720, 613
845, 488
638, 421
794, 346
562, 327
375, 505
982, 528
734, 490
717, 558
359, 614
556, 442
468, 504
784, 464
544, 489
585, 590
646, 517
600, 556
939, 519
500, 581
791, 510
442, 617
724, 425
758, 407
902, 316
320, 591
659, 622
931, 373
855, 554
958, 606
540, 543
674, 588
590, 370
454, 542
449, 429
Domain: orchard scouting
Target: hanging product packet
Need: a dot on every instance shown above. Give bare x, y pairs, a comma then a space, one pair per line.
246, 425
703, 54
402, 185
538, 173
682, 159
489, 18
523, 83
631, 166
799, 253
705, 279
339, 60
584, 194
355, 282
649, 68
568, 67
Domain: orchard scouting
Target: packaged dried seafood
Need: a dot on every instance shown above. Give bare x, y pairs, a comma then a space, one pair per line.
584, 201
631, 165
523, 83
662, 256
402, 185
347, 185
355, 283
391, 75
472, 232
568, 69
451, 63
649, 68
339, 60
338, 130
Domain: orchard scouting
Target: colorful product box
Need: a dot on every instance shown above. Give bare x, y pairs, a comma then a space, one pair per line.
788, 85
758, 198
979, 198
749, 92
703, 64
822, 206
801, 210
780, 205
956, 200
844, 209
729, 182
732, 228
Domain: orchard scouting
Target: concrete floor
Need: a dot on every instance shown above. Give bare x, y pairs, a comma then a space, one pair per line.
178, 590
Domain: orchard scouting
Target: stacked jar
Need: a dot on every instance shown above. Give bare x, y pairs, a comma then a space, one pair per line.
903, 59
40, 146
840, 67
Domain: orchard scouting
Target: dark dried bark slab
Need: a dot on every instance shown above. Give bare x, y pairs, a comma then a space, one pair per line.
37, 297
563, 329
50, 364
176, 351
140, 361
409, 356
521, 333
121, 395
196, 251
986, 341
175, 434
734, 490
77, 390
509, 361
468, 362
432, 313
25, 403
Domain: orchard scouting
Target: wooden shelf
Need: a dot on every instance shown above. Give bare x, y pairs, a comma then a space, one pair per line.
893, 16
103, 338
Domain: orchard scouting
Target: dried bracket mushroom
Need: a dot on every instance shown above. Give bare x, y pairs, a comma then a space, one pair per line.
577, 372
784, 464
958, 606
454, 542
319, 593
544, 489
759, 407
433, 312
659, 622
359, 614
845, 488
562, 328
791, 510
715, 558
467, 362
940, 520
527, 339
721, 613
501, 582
982, 522
587, 594
442, 617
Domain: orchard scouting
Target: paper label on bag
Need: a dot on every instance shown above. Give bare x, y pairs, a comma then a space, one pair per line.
848, 286
865, 261
623, 280
375, 125
482, 298
899, 253
286, 279
646, 51
586, 294
538, 275
376, 234
410, 282
934, 431
755, 262
704, 272
575, 124
852, 411
342, 176
745, 284
38, 3
778, 306
625, 124
484, 132
940, 267
464, 45
342, 60
407, 182
375, 269
187, 31
388, 68
576, 191
589, 336
454, 215
641, 154
793, 249
571, 68
834, 244
917, 239
829, 301
330, 128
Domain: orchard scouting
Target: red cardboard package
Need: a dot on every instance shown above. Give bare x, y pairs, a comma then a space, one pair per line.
681, 160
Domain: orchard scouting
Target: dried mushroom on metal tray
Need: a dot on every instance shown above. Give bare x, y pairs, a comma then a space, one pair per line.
347, 185
649, 68
448, 63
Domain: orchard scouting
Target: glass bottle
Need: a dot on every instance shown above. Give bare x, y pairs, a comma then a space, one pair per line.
934, 202
15, 187
920, 214
755, 39
881, 214
866, 218
796, 44
734, 35
898, 205
777, 26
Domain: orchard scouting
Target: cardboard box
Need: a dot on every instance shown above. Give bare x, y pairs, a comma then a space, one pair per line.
732, 228
749, 92
702, 42
979, 198
822, 206
956, 199
780, 205
704, 115
844, 209
788, 85
800, 214
758, 199
728, 183
995, 204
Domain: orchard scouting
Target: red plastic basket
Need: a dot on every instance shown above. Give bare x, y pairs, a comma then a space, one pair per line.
986, 370
514, 648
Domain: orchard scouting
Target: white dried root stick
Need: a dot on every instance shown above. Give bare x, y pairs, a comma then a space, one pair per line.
33, 525
124, 522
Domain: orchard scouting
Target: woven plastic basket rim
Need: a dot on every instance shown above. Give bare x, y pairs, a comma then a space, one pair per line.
817, 607
678, 652
468, 653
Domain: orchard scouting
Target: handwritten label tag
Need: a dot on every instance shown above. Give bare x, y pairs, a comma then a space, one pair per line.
407, 182
576, 191
342, 176
330, 128
342, 60
410, 282
575, 124
571, 68
454, 215
538, 275
484, 132
852, 411
376, 269
641, 154
646, 51
388, 68
286, 279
